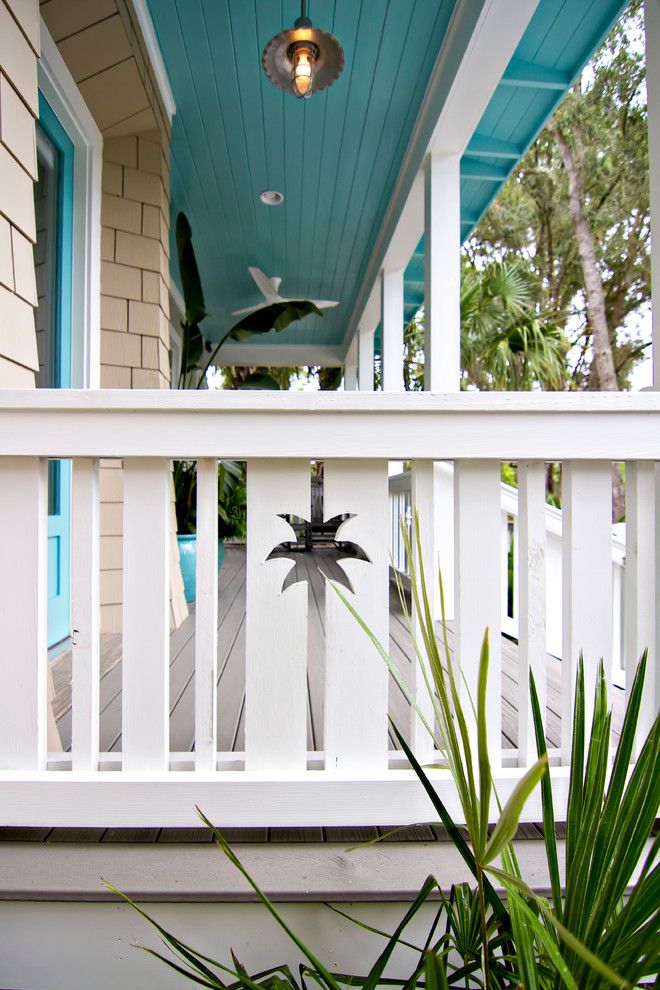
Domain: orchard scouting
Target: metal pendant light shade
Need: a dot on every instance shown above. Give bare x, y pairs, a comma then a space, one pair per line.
303, 60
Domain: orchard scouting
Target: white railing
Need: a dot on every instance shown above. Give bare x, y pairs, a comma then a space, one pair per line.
353, 779
401, 508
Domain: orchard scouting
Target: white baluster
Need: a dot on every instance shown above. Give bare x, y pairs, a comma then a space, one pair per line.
423, 488
587, 583
276, 621
85, 614
478, 578
206, 615
531, 553
145, 661
443, 472
639, 585
23, 569
356, 677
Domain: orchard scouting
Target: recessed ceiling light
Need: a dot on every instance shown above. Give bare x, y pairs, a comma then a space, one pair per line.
271, 197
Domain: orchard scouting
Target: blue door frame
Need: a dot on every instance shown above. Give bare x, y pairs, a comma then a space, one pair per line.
59, 473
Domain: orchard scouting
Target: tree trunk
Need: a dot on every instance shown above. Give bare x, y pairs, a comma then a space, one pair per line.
603, 359
593, 284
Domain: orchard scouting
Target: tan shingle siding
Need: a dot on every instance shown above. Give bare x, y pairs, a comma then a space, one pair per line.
17, 128
18, 58
19, 43
6, 259
25, 284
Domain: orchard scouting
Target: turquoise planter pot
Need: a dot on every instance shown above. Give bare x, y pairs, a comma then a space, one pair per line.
188, 562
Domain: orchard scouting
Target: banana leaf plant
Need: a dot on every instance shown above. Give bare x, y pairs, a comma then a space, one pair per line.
276, 317
192, 374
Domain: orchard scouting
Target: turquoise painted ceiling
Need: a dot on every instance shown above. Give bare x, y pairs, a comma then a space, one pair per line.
336, 156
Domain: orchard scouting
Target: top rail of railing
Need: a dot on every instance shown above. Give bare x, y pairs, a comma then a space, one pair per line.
549, 426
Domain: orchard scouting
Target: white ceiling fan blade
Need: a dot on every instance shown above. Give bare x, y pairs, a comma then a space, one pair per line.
325, 303
264, 284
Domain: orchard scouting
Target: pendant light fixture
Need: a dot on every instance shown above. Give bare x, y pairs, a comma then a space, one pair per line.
304, 59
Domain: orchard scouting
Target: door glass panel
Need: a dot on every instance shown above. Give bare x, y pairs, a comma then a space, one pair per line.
46, 207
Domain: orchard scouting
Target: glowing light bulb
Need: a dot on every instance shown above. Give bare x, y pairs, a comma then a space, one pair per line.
303, 58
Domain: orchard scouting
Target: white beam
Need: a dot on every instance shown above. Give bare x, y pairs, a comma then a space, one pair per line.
462, 83
280, 355
442, 274
392, 330
652, 22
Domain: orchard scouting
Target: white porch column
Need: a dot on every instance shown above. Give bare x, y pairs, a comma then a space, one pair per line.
652, 22
442, 273
365, 359
652, 25
391, 296
351, 367
442, 328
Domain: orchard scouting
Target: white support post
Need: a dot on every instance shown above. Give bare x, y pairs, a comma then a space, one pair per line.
365, 359
587, 584
351, 367
23, 656
422, 489
276, 620
146, 607
85, 614
478, 550
391, 296
206, 615
356, 679
442, 273
639, 585
531, 552
652, 23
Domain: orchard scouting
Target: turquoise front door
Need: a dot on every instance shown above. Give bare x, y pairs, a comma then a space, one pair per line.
53, 265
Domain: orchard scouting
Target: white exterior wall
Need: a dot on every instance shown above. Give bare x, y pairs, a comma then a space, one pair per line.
59, 946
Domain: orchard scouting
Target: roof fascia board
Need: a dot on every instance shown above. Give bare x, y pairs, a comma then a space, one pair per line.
143, 14
462, 83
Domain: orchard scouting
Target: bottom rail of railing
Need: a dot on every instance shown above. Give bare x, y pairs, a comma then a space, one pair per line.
242, 799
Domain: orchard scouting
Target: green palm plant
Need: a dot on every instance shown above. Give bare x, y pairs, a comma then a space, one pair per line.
591, 932
276, 317
601, 930
506, 344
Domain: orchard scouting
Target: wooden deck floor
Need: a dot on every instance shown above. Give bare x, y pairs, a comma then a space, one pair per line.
231, 669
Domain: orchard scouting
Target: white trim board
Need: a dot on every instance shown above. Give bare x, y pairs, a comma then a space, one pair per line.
153, 50
59, 88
